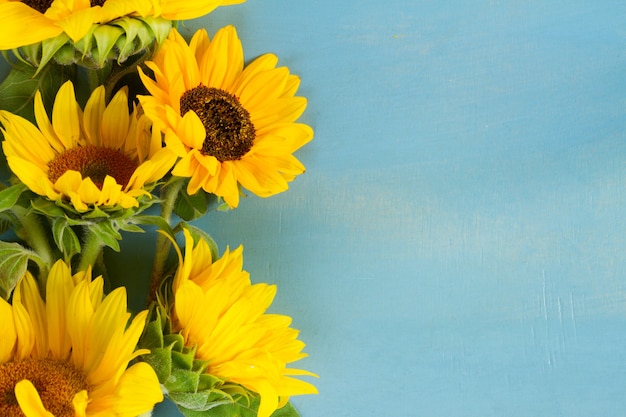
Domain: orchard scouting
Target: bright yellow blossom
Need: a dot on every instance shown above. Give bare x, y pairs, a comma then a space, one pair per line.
46, 19
69, 355
230, 125
223, 315
100, 157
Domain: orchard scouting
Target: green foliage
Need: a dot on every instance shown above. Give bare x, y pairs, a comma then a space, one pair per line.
191, 207
180, 373
17, 91
13, 264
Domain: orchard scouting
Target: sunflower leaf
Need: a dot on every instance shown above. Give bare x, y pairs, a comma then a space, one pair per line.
158, 221
10, 195
47, 208
13, 263
243, 407
17, 91
190, 207
65, 238
107, 233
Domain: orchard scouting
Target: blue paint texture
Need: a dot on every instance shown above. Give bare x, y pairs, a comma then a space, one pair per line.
456, 247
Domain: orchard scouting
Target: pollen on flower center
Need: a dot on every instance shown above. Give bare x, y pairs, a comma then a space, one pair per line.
42, 5
57, 382
229, 131
95, 162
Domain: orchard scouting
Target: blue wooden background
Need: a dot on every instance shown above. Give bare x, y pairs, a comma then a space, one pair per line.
456, 247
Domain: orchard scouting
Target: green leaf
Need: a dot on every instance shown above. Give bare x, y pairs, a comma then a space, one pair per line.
7, 221
190, 207
18, 89
9, 196
65, 238
157, 221
13, 263
107, 233
244, 407
47, 208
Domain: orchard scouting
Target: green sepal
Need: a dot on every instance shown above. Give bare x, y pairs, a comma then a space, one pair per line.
49, 50
114, 41
106, 37
180, 373
14, 260
244, 407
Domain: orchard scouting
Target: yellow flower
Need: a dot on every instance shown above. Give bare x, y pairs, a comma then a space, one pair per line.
49, 18
100, 157
69, 355
191, 9
219, 311
231, 126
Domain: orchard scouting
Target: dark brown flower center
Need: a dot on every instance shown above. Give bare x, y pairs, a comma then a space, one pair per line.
229, 131
42, 5
56, 382
95, 162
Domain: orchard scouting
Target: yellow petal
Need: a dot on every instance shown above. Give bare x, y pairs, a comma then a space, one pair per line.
223, 60
80, 402
29, 297
66, 116
115, 121
93, 116
188, 9
138, 390
29, 400
30, 174
26, 140
58, 289
16, 16
80, 310
78, 23
9, 336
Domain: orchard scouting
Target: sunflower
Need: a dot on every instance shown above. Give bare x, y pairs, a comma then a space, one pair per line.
220, 313
47, 19
68, 356
230, 125
100, 157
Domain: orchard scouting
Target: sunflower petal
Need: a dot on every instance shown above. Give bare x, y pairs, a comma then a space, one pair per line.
29, 400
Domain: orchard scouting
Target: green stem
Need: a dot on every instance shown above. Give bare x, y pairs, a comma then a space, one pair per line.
90, 251
32, 231
163, 245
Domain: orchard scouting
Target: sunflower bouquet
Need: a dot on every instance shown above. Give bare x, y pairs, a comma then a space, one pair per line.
113, 123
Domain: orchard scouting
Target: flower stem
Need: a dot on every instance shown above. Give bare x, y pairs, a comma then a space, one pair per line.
91, 250
32, 231
168, 199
